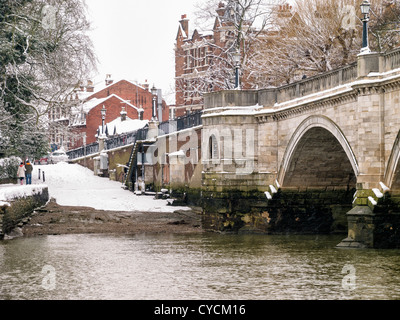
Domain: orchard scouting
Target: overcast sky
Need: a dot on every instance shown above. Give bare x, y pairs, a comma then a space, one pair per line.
135, 39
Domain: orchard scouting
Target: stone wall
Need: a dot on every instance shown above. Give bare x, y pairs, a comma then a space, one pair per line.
116, 157
309, 211
177, 165
20, 210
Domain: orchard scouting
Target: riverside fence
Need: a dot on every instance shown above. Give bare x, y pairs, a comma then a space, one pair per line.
116, 141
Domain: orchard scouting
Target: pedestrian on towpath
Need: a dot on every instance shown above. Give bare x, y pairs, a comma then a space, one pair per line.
21, 173
28, 172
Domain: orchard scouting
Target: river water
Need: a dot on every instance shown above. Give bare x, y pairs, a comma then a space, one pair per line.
201, 266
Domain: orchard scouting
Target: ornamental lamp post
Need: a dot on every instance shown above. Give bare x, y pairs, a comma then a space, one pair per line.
103, 117
154, 113
365, 8
236, 60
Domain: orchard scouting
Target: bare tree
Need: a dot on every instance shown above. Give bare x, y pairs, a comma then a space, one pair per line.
320, 35
385, 25
314, 37
235, 26
44, 55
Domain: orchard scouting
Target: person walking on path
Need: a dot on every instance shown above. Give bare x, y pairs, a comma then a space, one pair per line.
21, 173
28, 172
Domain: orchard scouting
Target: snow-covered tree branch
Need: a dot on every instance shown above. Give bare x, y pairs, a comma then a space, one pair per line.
236, 25
44, 55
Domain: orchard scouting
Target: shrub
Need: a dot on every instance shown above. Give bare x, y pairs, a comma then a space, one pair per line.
9, 168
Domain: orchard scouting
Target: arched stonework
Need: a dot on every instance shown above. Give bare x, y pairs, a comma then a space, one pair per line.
318, 155
392, 177
213, 152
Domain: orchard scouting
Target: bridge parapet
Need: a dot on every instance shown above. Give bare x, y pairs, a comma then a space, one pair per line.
365, 64
271, 96
389, 61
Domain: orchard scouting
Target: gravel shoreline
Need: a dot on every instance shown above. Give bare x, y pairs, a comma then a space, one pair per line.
54, 219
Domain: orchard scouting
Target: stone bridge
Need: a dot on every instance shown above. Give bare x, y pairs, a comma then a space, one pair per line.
319, 155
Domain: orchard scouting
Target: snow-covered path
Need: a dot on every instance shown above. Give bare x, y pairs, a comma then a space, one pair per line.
74, 185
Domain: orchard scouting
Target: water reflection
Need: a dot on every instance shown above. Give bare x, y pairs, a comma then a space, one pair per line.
194, 267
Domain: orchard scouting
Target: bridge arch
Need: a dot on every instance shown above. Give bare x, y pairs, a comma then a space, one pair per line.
392, 173
318, 155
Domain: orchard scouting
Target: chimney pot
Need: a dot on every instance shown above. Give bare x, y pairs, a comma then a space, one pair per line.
123, 114
109, 80
185, 24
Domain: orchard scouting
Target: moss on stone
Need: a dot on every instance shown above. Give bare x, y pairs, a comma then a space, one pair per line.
22, 208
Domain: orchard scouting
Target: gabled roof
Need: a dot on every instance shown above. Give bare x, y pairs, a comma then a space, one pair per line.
196, 35
181, 32
92, 103
104, 86
217, 23
79, 118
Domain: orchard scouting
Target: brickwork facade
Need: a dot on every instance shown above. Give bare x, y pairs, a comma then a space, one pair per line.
137, 101
194, 55
113, 105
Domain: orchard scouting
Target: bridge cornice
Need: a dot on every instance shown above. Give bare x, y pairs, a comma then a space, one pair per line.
350, 93
306, 106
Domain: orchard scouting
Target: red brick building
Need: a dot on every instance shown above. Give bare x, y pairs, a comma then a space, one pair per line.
194, 55
115, 96
204, 62
113, 104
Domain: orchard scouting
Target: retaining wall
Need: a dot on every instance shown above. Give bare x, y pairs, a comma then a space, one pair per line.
17, 211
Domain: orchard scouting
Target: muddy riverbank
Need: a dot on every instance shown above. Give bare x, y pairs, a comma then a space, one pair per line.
54, 219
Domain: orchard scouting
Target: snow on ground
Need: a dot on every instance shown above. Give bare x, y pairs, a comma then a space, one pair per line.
74, 185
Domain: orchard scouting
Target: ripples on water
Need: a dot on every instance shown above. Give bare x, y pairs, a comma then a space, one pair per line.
194, 267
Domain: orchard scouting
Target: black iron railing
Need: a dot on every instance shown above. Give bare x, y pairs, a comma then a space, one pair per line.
83, 151
112, 142
120, 140
181, 123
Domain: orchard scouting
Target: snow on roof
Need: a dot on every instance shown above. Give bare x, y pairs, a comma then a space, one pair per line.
82, 95
89, 105
78, 112
183, 31
119, 127
102, 85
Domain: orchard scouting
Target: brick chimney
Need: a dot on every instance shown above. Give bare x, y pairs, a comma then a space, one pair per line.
123, 114
285, 11
146, 86
89, 87
221, 9
109, 80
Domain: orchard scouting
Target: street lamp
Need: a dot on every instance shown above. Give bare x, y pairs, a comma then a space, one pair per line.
154, 93
236, 60
365, 7
103, 117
